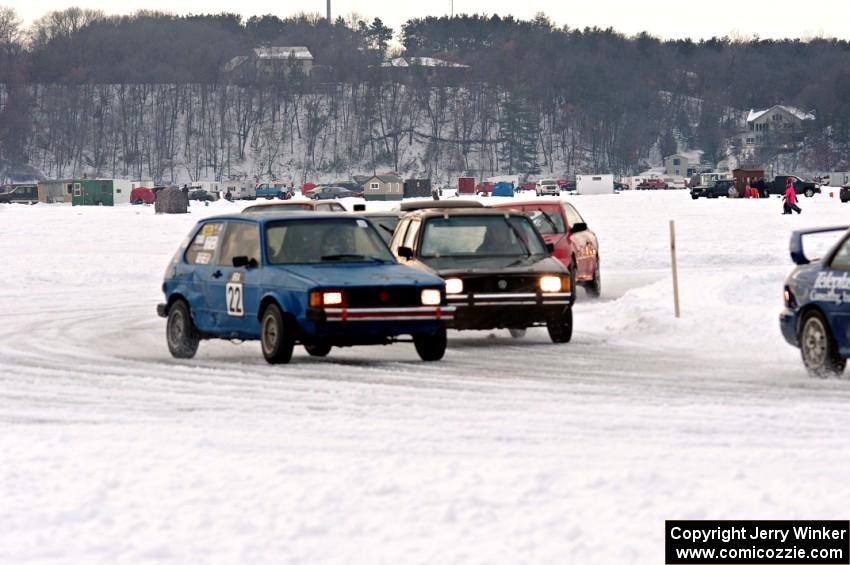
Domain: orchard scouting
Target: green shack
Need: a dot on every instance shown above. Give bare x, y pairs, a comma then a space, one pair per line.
100, 192
383, 187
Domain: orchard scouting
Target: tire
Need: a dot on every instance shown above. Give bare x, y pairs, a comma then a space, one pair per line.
517, 333
561, 328
317, 349
594, 287
809, 193
573, 271
276, 340
431, 347
180, 332
818, 348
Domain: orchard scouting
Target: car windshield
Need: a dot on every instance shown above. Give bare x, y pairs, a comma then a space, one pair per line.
264, 208
325, 241
546, 222
480, 236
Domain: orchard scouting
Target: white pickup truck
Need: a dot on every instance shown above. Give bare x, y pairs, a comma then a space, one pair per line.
547, 187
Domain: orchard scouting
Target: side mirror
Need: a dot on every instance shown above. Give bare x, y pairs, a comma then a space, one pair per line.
405, 252
550, 247
578, 227
245, 261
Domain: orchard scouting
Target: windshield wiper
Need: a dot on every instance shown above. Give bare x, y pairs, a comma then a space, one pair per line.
352, 257
519, 237
386, 228
549, 220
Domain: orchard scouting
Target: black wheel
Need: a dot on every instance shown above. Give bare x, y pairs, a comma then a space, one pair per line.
809, 193
276, 339
517, 333
431, 347
818, 348
695, 196
594, 287
180, 332
561, 328
317, 349
573, 271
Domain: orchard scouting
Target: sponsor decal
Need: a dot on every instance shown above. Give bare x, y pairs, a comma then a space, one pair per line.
830, 287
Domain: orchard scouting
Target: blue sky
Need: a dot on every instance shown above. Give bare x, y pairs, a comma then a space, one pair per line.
665, 18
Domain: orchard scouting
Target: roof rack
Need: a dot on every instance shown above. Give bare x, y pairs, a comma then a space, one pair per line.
429, 204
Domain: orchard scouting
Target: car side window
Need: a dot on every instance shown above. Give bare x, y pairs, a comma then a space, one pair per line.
841, 260
412, 232
322, 208
337, 208
242, 239
573, 216
204, 245
398, 236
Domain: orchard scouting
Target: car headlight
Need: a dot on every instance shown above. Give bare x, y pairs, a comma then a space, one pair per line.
454, 286
327, 298
431, 297
550, 284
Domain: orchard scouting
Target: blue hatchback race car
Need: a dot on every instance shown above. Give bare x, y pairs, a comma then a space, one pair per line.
321, 280
816, 317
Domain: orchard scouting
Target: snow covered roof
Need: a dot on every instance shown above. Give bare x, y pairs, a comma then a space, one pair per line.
422, 62
283, 53
796, 112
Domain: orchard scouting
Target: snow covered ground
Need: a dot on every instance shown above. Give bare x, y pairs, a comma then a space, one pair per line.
506, 451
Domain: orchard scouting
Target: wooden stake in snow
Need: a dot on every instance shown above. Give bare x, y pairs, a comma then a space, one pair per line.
673, 265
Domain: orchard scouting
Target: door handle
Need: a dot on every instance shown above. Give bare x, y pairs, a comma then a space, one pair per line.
217, 274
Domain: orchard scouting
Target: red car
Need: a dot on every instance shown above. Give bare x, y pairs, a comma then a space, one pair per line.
652, 184
575, 244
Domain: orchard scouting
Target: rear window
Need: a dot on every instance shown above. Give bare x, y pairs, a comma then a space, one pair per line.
277, 208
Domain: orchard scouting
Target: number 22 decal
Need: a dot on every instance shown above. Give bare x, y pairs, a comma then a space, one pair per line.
233, 295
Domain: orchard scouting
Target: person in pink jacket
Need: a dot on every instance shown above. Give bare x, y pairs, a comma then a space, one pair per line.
790, 198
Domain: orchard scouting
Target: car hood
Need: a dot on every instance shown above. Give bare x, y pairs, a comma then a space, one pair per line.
446, 266
359, 274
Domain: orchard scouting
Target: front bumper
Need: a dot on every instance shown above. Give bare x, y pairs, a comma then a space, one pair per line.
788, 325
382, 314
482, 311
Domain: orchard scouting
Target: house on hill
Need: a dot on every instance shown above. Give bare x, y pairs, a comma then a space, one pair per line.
270, 62
777, 123
427, 67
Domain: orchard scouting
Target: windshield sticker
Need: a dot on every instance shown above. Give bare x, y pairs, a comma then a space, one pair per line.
211, 242
831, 288
200, 240
209, 229
363, 223
203, 258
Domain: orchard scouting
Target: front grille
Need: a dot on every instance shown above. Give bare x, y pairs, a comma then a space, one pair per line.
490, 283
378, 296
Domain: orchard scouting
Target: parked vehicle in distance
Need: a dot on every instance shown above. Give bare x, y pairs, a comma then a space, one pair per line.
294, 206
715, 190
274, 190
804, 187
547, 187
816, 317
333, 192
844, 194
20, 194
498, 270
652, 184
202, 195
320, 280
574, 243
